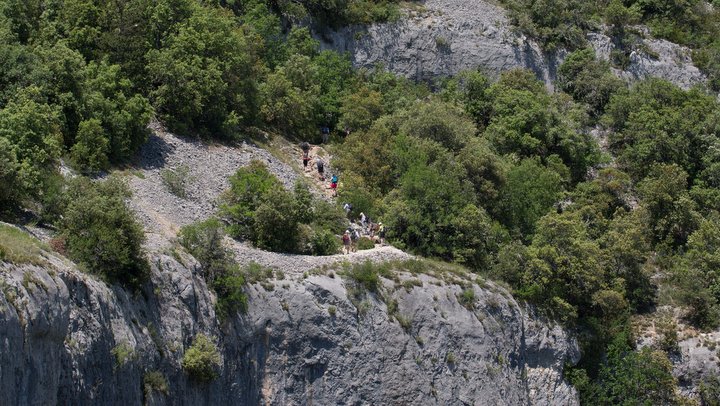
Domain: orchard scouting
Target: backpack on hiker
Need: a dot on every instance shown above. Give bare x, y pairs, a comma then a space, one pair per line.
305, 147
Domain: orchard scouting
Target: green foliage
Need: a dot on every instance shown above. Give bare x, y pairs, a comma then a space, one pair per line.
290, 103
203, 75
339, 13
258, 208
90, 152
365, 243
657, 122
588, 80
365, 275
438, 121
556, 23
155, 381
673, 214
325, 242
101, 233
276, 222
467, 298
710, 390
528, 121
360, 109
202, 359
248, 187
124, 116
635, 377
205, 242
470, 88
31, 140
529, 191
565, 269
123, 353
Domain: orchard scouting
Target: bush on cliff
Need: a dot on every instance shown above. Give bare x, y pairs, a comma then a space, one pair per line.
101, 233
202, 359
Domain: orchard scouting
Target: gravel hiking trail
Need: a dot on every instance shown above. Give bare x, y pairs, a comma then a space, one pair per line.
209, 167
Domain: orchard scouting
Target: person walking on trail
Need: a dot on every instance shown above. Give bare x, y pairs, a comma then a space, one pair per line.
321, 168
381, 233
363, 221
354, 237
334, 185
348, 208
306, 154
325, 134
346, 242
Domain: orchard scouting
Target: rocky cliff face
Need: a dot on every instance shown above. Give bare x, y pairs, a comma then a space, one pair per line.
304, 340
310, 336
444, 37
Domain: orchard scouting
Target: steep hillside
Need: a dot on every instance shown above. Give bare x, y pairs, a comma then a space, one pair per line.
445, 37
430, 334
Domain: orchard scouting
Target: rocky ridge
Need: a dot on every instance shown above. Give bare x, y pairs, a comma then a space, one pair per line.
445, 37
311, 335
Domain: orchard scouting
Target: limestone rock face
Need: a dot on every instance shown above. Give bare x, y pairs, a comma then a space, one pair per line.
68, 338
445, 37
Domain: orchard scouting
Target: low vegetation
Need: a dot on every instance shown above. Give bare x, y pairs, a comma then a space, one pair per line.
204, 241
18, 247
176, 180
155, 381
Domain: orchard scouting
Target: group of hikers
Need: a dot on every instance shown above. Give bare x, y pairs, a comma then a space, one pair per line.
374, 231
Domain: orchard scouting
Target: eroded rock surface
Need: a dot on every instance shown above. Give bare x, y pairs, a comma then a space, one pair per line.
445, 37
306, 339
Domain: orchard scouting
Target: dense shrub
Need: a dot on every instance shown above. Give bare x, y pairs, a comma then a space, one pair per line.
365, 243
31, 141
657, 122
260, 209
325, 242
588, 80
202, 359
101, 233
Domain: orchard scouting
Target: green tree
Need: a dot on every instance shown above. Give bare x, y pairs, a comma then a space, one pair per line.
588, 80
248, 188
290, 99
672, 214
108, 98
31, 134
657, 122
205, 242
360, 109
529, 192
91, 147
276, 222
204, 75
630, 377
438, 121
101, 233
527, 121
566, 269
